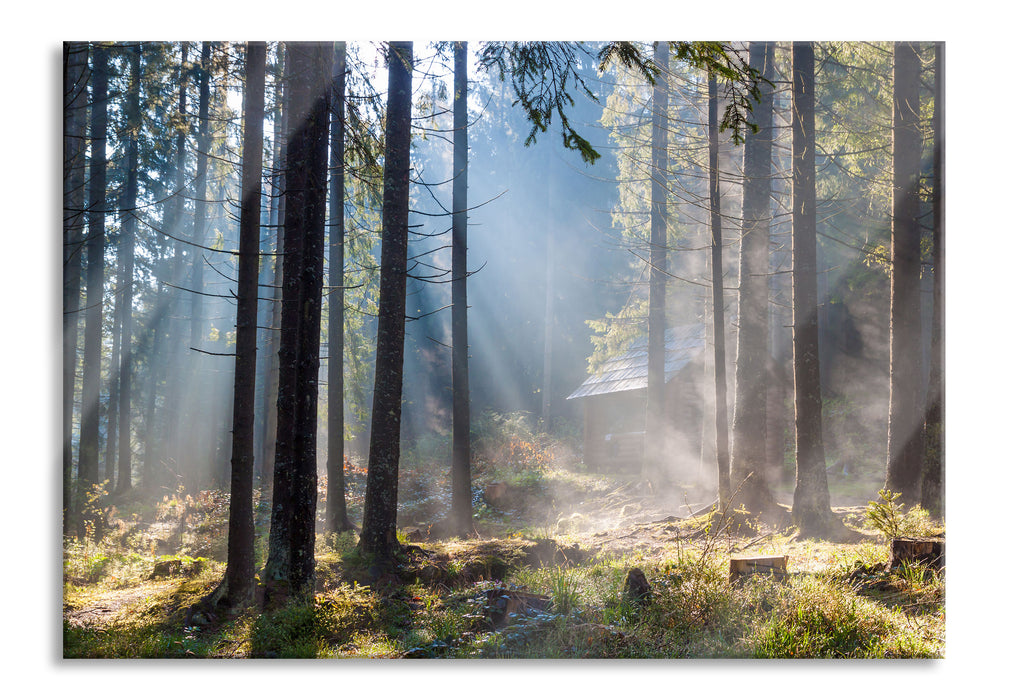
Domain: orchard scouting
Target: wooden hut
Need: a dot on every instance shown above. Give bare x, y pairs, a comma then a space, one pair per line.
614, 400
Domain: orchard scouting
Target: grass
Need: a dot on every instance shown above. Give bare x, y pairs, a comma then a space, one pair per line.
838, 602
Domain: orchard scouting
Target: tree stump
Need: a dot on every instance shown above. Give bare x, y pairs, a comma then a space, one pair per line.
926, 550
637, 590
494, 494
773, 565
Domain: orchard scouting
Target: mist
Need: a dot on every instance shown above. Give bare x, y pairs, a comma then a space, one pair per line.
557, 284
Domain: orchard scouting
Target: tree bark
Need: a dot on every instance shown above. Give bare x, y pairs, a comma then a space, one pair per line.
278, 186
905, 437
200, 204
718, 303
811, 504
933, 466
75, 93
462, 488
549, 299
112, 417
91, 389
655, 392
238, 578
749, 424
152, 435
378, 532
193, 450
127, 243
292, 530
174, 225
336, 497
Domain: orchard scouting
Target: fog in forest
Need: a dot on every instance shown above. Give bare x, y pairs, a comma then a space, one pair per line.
558, 284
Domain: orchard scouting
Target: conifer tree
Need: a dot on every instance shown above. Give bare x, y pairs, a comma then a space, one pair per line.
378, 531
933, 477
749, 458
91, 386
905, 437
462, 496
655, 399
291, 559
718, 302
75, 58
336, 497
127, 243
811, 503
238, 578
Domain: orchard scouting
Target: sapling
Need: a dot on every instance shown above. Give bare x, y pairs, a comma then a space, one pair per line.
885, 515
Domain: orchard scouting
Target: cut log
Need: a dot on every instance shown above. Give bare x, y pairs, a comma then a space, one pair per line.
773, 565
927, 550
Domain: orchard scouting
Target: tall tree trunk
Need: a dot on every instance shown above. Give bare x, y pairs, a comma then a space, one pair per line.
174, 226
549, 299
75, 103
655, 392
378, 532
193, 449
336, 496
905, 438
238, 578
933, 466
811, 503
128, 216
91, 389
292, 528
278, 198
718, 302
112, 416
778, 377
200, 213
153, 437
462, 488
749, 424
549, 293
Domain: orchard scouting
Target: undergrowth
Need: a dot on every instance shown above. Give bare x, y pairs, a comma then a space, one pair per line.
840, 601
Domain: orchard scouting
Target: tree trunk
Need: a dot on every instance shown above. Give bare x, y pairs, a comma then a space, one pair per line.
549, 294
749, 457
127, 242
153, 437
292, 529
336, 497
174, 226
238, 578
91, 390
193, 449
112, 417
811, 504
378, 532
933, 467
462, 488
718, 303
75, 96
200, 204
655, 392
905, 439
277, 188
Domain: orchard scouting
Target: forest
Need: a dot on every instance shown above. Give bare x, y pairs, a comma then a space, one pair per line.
503, 350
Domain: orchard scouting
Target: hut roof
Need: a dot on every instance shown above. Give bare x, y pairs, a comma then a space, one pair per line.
629, 371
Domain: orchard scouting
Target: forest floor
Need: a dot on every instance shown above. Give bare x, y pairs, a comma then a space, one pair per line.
545, 577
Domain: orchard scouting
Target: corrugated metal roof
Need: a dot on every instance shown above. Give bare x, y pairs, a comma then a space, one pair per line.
630, 370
